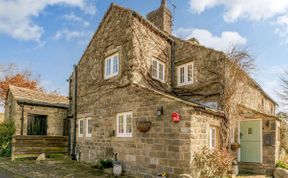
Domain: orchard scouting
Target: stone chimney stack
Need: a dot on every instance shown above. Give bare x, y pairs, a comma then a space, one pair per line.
161, 17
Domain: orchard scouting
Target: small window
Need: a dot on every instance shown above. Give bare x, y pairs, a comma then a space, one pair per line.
124, 124
89, 127
272, 108
111, 66
250, 131
81, 127
213, 138
185, 74
158, 70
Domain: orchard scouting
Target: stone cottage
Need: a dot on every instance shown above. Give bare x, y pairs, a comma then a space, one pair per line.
155, 99
36, 113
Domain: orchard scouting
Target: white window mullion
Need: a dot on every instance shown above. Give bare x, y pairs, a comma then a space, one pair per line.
111, 66
185, 73
158, 70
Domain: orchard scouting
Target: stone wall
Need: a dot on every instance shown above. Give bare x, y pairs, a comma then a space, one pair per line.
9, 107
251, 97
146, 46
168, 146
55, 118
208, 65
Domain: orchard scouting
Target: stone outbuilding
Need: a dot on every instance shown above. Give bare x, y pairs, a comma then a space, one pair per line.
36, 113
1, 117
156, 99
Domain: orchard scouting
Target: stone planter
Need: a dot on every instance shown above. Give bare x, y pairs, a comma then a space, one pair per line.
280, 173
117, 168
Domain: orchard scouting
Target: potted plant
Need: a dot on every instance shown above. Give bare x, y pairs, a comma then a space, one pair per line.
235, 146
117, 167
162, 175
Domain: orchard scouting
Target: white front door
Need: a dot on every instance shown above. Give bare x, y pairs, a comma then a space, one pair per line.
251, 141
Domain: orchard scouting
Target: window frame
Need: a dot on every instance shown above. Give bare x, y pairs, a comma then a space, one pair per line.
124, 134
87, 127
211, 146
111, 64
185, 73
79, 130
158, 63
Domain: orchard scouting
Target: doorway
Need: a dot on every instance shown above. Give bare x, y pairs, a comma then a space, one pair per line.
37, 125
251, 141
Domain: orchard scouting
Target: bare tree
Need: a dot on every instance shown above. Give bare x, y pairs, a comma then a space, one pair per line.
238, 64
283, 91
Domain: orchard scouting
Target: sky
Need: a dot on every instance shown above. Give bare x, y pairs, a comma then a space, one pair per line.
49, 36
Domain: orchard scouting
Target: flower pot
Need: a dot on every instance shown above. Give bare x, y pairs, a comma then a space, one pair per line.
117, 168
235, 146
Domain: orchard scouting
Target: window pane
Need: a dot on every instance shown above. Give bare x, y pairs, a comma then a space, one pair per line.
182, 75
120, 124
190, 72
108, 67
129, 124
212, 137
161, 71
89, 126
154, 69
115, 64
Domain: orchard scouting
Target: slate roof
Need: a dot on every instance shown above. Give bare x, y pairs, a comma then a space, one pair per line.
27, 96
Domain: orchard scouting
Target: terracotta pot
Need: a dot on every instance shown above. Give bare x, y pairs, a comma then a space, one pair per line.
235, 146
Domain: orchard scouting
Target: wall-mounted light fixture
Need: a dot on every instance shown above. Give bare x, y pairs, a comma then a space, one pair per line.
160, 111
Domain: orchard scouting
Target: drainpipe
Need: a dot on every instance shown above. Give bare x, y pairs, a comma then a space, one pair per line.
22, 118
75, 113
172, 65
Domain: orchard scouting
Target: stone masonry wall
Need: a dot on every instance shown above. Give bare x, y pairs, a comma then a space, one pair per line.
55, 118
167, 146
208, 63
146, 46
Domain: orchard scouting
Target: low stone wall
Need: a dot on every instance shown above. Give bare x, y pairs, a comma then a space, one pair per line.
32, 146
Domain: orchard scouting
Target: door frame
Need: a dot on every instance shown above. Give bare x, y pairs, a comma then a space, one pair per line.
261, 138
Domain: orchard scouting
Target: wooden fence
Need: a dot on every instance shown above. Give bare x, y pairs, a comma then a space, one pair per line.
24, 146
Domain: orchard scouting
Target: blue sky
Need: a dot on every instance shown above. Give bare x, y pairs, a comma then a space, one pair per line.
49, 36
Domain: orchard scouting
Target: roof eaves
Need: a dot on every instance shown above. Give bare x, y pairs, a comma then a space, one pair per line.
42, 103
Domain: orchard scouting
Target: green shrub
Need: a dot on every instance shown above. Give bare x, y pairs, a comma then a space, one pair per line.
7, 129
282, 164
209, 163
106, 163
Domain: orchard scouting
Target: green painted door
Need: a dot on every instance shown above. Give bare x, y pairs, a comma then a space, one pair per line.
250, 141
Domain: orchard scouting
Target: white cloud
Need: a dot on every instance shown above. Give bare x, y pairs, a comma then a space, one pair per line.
73, 18
236, 9
16, 16
206, 38
69, 35
282, 27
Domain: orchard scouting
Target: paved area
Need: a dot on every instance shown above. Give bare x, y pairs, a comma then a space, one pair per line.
58, 169
49, 169
253, 176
